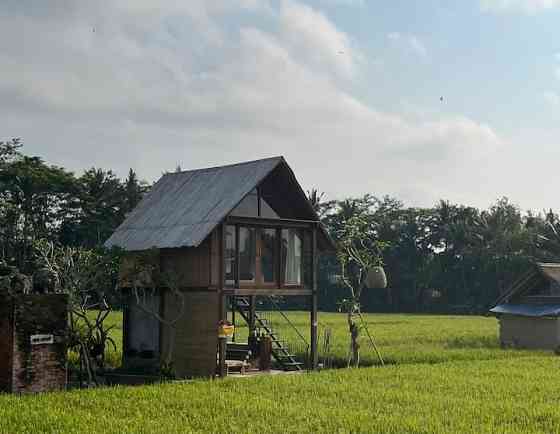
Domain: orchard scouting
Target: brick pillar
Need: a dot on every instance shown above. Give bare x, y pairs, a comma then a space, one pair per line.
33, 343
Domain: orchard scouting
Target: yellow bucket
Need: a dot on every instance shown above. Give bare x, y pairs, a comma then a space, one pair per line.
225, 331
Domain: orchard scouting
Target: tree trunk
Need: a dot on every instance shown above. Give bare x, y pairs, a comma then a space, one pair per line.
353, 328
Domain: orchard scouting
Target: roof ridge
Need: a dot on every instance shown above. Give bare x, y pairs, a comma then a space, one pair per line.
206, 169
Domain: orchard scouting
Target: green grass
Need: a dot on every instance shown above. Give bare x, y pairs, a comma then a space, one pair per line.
448, 376
516, 395
404, 338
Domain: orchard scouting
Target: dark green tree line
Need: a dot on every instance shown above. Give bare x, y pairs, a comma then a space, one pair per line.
39, 201
448, 258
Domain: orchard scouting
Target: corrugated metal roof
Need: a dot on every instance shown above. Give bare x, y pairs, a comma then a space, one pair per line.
183, 208
529, 310
550, 270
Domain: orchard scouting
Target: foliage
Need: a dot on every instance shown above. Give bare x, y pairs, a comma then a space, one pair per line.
449, 258
89, 278
359, 251
42, 201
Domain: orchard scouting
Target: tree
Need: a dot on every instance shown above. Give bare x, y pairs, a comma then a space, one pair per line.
134, 190
320, 206
359, 253
33, 196
9, 150
89, 278
102, 205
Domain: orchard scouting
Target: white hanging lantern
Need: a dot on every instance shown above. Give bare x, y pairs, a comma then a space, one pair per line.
376, 278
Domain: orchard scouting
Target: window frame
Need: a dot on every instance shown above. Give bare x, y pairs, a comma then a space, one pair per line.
279, 282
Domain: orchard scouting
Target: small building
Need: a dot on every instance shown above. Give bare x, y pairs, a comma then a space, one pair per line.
228, 235
529, 311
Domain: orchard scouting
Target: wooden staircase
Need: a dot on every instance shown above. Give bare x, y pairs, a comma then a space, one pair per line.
280, 351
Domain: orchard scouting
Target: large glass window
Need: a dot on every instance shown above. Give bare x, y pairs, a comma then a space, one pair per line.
267, 255
248, 207
256, 256
292, 256
267, 211
247, 254
230, 260
254, 205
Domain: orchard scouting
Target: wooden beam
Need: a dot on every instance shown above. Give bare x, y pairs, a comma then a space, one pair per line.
252, 311
268, 291
273, 223
314, 303
222, 312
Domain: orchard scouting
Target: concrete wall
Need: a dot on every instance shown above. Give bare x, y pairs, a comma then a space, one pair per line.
532, 333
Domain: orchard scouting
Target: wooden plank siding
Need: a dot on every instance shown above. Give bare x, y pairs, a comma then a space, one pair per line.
191, 265
196, 339
215, 256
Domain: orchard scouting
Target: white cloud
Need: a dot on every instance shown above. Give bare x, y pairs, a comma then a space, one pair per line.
529, 6
344, 2
552, 98
411, 43
417, 46
150, 88
312, 37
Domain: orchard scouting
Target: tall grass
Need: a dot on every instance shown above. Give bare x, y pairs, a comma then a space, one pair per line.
403, 338
516, 395
448, 375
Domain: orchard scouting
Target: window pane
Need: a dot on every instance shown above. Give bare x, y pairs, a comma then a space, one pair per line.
230, 255
248, 207
291, 256
247, 254
267, 211
268, 246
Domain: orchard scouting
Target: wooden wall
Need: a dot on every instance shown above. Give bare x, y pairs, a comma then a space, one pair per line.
190, 264
196, 337
215, 257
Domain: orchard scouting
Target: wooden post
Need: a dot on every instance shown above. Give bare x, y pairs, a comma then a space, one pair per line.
252, 311
314, 302
222, 308
233, 306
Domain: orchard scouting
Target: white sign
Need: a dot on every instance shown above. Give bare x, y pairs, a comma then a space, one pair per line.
42, 339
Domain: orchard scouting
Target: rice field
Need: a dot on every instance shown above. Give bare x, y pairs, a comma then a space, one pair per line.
447, 374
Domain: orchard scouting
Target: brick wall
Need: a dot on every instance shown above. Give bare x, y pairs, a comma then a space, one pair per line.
6, 343
35, 368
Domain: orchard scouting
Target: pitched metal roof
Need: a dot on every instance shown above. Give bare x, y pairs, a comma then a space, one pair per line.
528, 310
534, 277
183, 208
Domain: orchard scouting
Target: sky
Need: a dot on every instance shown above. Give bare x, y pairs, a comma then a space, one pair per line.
430, 100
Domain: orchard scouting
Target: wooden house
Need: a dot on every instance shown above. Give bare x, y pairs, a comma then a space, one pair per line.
529, 311
228, 234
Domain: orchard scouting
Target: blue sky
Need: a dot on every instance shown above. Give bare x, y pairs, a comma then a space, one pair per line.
347, 90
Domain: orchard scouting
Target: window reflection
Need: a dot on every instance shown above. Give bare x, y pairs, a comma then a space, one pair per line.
230, 255
248, 207
247, 254
268, 260
291, 256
